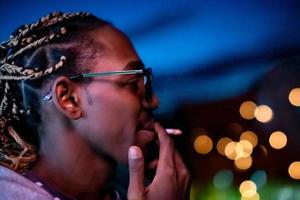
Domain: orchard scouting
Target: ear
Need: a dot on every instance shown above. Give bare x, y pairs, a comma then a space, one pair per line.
66, 97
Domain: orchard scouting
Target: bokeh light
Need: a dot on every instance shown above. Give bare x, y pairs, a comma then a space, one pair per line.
236, 150
285, 193
222, 144
294, 170
203, 144
243, 163
254, 197
223, 179
247, 109
259, 177
239, 150
248, 189
278, 140
294, 97
247, 148
230, 150
263, 149
235, 128
250, 136
263, 113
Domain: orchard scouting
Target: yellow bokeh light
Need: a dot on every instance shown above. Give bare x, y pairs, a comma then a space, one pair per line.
239, 150
294, 97
236, 150
294, 170
247, 148
230, 150
243, 163
248, 189
250, 136
203, 144
278, 140
263, 113
222, 144
255, 197
247, 109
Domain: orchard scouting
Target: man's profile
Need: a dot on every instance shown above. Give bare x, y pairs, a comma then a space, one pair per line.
75, 100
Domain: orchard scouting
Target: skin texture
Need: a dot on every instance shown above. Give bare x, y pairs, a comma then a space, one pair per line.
87, 128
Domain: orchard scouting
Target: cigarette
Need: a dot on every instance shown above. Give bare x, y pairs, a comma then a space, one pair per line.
173, 131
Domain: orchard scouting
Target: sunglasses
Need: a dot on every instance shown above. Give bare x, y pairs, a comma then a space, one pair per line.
147, 73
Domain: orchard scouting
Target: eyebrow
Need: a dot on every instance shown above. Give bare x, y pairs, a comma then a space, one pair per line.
134, 65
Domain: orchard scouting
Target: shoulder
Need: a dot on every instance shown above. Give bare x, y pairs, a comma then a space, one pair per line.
15, 186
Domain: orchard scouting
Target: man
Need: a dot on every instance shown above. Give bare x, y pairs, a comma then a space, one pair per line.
91, 117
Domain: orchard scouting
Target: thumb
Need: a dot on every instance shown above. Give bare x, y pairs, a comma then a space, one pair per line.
136, 174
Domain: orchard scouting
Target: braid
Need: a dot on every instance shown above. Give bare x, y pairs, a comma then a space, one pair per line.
14, 151
49, 20
19, 73
37, 43
4, 101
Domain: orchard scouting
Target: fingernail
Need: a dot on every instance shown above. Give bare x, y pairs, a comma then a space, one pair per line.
134, 153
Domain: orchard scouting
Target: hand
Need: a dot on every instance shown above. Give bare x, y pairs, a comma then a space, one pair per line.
171, 179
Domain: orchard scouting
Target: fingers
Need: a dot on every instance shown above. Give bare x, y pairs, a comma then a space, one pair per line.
169, 155
166, 147
136, 187
172, 176
165, 176
183, 176
165, 142
182, 171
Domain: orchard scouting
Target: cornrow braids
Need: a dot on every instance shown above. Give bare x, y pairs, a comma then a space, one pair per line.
46, 21
32, 53
19, 73
36, 43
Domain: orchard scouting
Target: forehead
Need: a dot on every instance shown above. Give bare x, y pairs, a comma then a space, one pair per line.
118, 50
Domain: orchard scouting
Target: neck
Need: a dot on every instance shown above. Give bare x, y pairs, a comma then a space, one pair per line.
69, 165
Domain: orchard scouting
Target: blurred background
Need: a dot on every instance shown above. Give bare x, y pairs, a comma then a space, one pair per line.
227, 73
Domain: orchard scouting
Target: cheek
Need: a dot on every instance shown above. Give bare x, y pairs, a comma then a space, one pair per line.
110, 100
113, 116
115, 107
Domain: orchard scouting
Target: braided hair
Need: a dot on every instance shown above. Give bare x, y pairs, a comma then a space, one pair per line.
33, 54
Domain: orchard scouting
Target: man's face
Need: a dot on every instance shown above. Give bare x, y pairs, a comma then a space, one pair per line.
116, 114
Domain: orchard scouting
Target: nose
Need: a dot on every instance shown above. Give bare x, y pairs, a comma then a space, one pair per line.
152, 103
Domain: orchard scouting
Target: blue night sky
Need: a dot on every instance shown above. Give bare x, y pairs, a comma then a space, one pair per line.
200, 51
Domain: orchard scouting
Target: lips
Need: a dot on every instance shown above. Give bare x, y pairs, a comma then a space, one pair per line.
146, 140
145, 134
147, 125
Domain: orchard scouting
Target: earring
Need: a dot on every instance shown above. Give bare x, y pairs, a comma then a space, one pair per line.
26, 111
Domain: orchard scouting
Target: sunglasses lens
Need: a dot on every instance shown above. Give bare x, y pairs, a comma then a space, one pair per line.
148, 85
